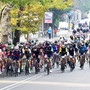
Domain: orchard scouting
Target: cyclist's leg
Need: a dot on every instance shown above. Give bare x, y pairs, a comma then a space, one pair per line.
0, 67
38, 61
51, 62
29, 62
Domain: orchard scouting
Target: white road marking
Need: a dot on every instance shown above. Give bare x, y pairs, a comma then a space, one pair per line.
21, 82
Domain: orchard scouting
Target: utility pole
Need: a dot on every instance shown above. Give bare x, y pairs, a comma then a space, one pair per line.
69, 17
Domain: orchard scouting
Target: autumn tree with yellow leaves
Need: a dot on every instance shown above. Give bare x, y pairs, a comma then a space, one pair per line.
26, 15
30, 18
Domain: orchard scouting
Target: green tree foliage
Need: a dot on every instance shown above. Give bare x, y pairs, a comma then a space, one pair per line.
26, 15
57, 15
30, 18
45, 5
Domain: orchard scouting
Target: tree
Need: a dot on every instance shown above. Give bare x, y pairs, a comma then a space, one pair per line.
4, 21
17, 4
57, 13
30, 18
22, 24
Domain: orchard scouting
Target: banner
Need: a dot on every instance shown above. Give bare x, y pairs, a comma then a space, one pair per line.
48, 17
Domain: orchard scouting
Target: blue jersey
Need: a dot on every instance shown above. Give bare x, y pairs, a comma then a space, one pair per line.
49, 30
82, 49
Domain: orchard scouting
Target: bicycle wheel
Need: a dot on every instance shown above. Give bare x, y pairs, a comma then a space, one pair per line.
62, 68
16, 69
36, 68
26, 68
48, 68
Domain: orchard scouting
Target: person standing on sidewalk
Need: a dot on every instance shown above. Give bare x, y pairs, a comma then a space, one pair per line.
50, 32
55, 30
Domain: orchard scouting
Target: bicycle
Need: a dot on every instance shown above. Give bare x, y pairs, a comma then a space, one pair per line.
56, 59
28, 67
9, 67
15, 68
47, 66
63, 63
72, 63
82, 61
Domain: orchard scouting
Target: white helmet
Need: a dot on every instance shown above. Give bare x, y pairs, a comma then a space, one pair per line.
63, 57
16, 48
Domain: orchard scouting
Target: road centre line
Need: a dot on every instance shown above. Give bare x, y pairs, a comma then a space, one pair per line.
21, 82
60, 84
52, 83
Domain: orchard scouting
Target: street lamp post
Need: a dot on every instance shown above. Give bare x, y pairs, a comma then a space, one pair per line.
69, 21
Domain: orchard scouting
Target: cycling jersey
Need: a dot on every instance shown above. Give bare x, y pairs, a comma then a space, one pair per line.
63, 51
55, 48
82, 50
16, 54
49, 51
71, 52
27, 53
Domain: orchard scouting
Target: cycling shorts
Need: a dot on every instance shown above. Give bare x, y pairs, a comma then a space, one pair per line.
16, 58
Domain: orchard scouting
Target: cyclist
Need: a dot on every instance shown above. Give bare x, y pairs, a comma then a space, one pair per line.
49, 53
88, 53
10, 53
55, 49
17, 56
1, 56
27, 53
36, 55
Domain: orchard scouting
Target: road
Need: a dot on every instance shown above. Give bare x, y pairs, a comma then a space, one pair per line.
60, 33
76, 80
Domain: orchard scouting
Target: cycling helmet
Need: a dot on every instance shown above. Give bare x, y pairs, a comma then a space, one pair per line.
12, 48
82, 44
27, 43
56, 41
32, 41
36, 40
26, 47
20, 45
16, 48
35, 48
65, 43
63, 57
63, 46
9, 43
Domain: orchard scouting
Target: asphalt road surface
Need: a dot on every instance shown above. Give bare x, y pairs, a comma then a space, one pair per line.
76, 80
